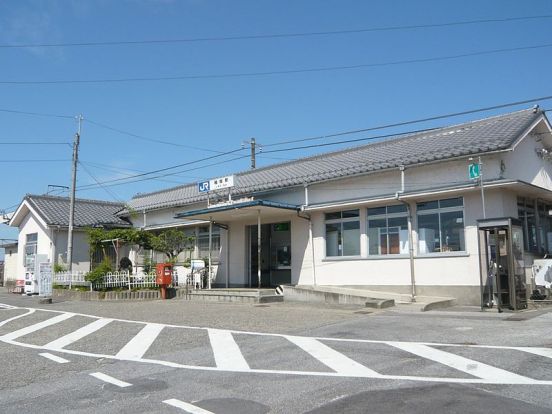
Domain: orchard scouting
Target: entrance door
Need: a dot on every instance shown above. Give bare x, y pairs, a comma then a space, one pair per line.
275, 254
502, 269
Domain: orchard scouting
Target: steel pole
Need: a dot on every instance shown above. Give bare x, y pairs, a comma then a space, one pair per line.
72, 199
259, 261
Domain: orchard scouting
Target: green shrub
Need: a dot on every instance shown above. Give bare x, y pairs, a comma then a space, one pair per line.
58, 268
99, 272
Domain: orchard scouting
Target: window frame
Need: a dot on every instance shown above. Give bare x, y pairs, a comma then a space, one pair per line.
439, 211
385, 216
340, 222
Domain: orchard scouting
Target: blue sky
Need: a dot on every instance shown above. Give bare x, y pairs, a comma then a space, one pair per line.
218, 114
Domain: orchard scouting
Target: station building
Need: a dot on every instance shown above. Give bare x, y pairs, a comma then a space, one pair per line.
398, 215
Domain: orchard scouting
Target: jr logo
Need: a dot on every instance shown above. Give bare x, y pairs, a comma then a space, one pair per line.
203, 187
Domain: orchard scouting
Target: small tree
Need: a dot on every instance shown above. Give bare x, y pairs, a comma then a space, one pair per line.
172, 242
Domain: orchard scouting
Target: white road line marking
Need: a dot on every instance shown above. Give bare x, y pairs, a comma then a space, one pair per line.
111, 380
54, 358
138, 346
189, 408
460, 363
78, 334
545, 352
226, 351
29, 312
331, 358
37, 326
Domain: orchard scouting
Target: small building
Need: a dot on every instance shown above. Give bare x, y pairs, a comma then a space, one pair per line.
10, 264
397, 215
43, 222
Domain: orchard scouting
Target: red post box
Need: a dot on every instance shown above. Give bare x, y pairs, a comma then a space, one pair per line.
163, 277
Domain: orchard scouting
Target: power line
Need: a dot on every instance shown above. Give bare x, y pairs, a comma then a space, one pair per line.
141, 137
13, 111
129, 172
410, 122
173, 167
34, 143
279, 72
164, 175
36, 160
107, 190
274, 35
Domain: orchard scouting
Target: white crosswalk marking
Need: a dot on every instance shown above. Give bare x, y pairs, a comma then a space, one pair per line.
54, 358
139, 345
226, 351
37, 326
545, 352
331, 358
460, 363
78, 334
110, 379
189, 408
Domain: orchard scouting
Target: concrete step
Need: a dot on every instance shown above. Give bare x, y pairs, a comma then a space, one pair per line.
236, 295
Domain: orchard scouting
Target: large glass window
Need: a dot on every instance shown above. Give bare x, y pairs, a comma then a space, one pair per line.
388, 230
343, 233
30, 251
441, 225
526, 213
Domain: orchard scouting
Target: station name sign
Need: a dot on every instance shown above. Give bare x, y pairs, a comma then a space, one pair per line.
216, 184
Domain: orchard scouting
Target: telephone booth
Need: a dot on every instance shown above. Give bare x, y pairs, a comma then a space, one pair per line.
502, 270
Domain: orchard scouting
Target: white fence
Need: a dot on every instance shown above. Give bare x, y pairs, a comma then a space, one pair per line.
71, 279
126, 280
181, 277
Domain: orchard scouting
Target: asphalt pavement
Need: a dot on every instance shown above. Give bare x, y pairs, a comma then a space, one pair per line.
183, 356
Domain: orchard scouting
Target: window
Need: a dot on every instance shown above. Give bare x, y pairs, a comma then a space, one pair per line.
526, 213
388, 230
203, 242
343, 233
441, 225
30, 251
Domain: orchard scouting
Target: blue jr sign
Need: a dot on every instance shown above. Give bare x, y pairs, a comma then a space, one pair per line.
203, 187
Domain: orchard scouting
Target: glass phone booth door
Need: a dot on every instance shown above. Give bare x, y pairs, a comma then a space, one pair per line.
501, 262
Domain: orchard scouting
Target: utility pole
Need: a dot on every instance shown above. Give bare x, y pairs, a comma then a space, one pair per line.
253, 161
72, 199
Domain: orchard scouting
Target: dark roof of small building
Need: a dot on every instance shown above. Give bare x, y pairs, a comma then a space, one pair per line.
440, 144
54, 210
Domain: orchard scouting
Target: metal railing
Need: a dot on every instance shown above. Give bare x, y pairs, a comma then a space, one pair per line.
70, 279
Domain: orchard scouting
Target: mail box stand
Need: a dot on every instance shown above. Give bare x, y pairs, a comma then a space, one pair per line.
163, 277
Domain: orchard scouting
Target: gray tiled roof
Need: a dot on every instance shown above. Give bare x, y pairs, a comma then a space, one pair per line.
476, 137
55, 211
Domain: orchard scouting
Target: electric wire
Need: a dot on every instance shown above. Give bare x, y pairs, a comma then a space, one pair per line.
410, 122
174, 167
110, 184
144, 138
277, 72
275, 35
13, 111
107, 190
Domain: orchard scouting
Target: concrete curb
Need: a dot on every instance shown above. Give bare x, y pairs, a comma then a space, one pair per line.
113, 295
438, 304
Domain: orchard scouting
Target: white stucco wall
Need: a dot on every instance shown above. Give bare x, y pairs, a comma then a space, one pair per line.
10, 264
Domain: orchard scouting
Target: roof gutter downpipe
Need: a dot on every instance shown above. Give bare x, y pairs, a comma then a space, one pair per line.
311, 241
410, 237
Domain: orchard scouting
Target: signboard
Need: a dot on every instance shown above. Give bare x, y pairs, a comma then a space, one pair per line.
474, 171
216, 184
203, 187
45, 279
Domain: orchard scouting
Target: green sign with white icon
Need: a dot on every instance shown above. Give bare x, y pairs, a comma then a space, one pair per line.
474, 171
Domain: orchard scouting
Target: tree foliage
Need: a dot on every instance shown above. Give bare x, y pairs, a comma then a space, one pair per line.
171, 242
